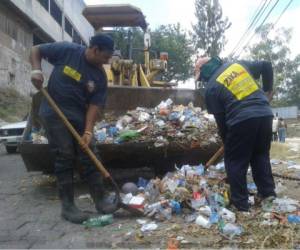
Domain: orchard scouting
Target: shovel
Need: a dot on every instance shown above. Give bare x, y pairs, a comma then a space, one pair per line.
98, 164
215, 157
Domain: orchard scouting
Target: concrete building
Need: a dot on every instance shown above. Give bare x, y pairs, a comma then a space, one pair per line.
24, 23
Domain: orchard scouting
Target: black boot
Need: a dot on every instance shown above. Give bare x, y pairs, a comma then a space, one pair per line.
97, 192
69, 210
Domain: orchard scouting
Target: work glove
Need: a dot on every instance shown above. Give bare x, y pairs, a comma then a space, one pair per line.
37, 78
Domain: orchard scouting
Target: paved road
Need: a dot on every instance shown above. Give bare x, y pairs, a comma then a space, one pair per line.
30, 213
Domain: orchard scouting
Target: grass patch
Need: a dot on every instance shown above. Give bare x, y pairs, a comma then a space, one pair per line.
13, 105
280, 151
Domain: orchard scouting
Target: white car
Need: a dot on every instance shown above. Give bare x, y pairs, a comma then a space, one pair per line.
11, 134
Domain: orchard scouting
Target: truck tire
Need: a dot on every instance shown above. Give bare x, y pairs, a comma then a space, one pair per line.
11, 149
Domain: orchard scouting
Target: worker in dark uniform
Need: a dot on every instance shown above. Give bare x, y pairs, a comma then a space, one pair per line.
244, 118
78, 85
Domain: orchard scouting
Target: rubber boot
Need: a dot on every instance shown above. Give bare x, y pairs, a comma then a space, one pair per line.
97, 193
69, 210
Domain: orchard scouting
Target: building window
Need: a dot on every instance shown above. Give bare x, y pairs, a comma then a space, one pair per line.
3, 23
45, 4
68, 27
12, 78
11, 29
37, 40
55, 12
76, 37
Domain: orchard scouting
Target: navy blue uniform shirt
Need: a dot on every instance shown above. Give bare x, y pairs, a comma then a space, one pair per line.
73, 83
233, 93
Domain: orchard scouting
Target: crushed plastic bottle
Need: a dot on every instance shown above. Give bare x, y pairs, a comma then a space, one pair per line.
174, 116
149, 227
152, 192
203, 222
144, 116
220, 166
214, 218
292, 218
226, 198
285, 205
112, 131
166, 213
155, 206
199, 169
206, 210
191, 218
176, 208
227, 215
231, 230
197, 203
100, 221
172, 185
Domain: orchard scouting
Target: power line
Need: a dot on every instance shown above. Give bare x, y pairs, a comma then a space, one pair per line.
281, 14
254, 18
257, 20
263, 22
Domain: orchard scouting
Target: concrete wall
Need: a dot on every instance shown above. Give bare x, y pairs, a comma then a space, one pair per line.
72, 9
19, 21
15, 39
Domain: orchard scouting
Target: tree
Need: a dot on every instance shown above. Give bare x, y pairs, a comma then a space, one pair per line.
165, 38
122, 37
208, 32
275, 48
174, 40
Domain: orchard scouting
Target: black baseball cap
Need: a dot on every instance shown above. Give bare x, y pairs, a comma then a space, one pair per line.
103, 42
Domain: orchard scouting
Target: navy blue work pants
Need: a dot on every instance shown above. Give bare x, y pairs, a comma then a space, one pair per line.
65, 148
248, 143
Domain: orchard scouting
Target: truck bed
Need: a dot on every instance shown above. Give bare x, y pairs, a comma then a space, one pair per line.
131, 155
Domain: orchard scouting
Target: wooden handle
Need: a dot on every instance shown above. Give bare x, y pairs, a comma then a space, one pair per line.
215, 157
61, 115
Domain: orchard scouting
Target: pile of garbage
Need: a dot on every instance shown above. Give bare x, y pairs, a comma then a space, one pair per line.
201, 197
194, 202
203, 193
161, 125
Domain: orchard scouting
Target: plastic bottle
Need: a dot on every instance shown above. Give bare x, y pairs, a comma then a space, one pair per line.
203, 222
292, 218
176, 208
152, 192
232, 230
101, 135
205, 210
226, 198
214, 217
227, 215
99, 221
112, 131
199, 169
166, 213
155, 206
213, 202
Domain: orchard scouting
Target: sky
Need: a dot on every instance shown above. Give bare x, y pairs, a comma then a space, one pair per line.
239, 12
